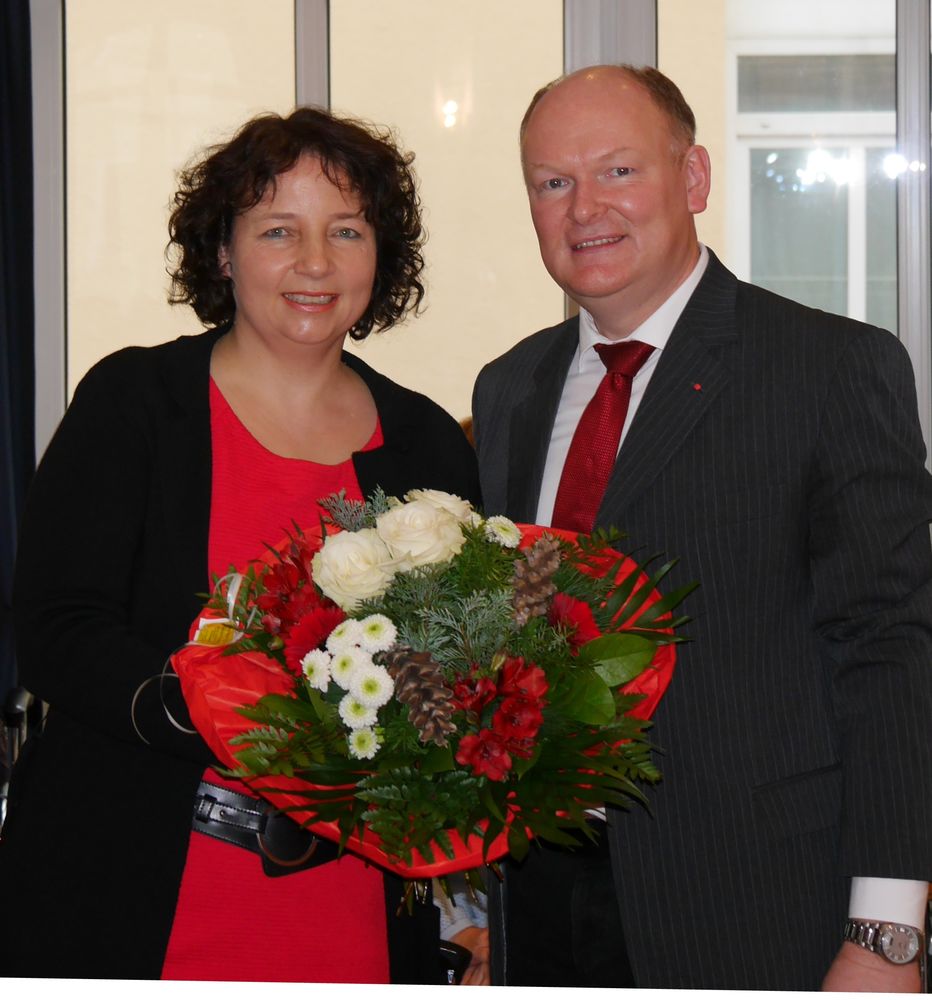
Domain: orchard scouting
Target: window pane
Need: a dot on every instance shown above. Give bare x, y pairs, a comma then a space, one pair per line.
799, 227
454, 80
800, 81
817, 83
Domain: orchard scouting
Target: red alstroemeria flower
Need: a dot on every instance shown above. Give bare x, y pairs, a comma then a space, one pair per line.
289, 605
271, 623
280, 581
574, 616
300, 553
520, 678
473, 693
309, 633
518, 718
485, 752
522, 748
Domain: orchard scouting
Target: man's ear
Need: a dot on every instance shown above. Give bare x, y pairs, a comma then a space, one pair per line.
698, 170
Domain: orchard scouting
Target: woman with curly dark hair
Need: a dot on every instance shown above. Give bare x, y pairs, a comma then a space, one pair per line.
128, 854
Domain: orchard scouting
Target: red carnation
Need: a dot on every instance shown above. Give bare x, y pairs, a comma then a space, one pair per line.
520, 678
575, 617
518, 718
472, 694
309, 633
486, 753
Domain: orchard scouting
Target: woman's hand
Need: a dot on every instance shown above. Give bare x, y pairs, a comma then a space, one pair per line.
476, 939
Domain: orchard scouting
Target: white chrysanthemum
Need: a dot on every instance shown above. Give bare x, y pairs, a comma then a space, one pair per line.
364, 743
475, 520
372, 686
355, 714
347, 633
506, 533
316, 667
377, 634
346, 662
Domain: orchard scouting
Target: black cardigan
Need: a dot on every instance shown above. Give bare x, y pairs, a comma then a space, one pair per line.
112, 553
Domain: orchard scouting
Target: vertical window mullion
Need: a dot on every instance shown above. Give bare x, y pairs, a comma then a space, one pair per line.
857, 233
914, 262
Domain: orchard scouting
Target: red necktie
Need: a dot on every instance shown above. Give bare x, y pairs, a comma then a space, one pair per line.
594, 448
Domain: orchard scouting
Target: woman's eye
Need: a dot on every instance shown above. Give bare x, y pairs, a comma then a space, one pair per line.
276, 232
348, 234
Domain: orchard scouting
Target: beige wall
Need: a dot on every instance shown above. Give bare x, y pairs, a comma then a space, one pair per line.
486, 286
692, 52
148, 84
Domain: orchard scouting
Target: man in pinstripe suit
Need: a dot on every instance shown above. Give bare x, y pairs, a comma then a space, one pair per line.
776, 451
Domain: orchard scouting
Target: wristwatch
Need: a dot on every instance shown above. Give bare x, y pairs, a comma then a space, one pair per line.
897, 943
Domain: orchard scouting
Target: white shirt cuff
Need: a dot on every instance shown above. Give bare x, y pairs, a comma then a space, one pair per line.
891, 900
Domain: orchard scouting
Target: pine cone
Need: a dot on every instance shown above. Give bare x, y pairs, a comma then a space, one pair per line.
533, 579
420, 684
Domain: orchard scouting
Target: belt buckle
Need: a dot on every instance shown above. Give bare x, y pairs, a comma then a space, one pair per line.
278, 830
204, 807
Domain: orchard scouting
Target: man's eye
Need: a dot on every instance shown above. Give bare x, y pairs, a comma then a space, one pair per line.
620, 171
554, 183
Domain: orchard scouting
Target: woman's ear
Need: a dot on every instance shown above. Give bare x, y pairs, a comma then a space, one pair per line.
226, 268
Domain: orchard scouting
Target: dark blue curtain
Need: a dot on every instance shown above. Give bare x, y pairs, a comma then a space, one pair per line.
17, 323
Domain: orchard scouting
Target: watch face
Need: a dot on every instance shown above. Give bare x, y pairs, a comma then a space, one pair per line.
899, 944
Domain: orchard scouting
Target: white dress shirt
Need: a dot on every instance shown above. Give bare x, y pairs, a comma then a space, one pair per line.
587, 371
894, 900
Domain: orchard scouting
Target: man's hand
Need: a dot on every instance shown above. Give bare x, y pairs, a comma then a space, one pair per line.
856, 970
476, 939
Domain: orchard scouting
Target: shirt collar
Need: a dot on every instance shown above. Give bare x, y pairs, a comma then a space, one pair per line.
656, 329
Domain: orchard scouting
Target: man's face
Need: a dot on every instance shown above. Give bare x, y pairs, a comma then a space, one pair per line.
612, 196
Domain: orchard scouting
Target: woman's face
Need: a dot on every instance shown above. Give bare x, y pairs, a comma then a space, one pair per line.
302, 261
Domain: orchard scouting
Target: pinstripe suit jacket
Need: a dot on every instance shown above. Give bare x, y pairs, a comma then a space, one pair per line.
778, 454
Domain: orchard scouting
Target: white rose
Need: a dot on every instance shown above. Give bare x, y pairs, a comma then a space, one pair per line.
353, 566
419, 533
452, 504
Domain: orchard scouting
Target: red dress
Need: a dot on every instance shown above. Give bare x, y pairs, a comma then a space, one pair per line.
324, 924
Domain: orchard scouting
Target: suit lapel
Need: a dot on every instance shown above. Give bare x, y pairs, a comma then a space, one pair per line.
687, 379
532, 422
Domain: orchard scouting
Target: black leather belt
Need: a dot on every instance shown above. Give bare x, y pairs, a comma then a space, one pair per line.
283, 845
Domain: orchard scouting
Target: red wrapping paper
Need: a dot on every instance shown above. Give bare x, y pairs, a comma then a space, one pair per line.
215, 686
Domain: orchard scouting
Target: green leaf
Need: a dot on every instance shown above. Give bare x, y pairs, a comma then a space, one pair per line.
487, 798
618, 657
524, 764
438, 759
518, 843
588, 698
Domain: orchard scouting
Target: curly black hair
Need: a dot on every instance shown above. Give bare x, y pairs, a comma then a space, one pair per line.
234, 176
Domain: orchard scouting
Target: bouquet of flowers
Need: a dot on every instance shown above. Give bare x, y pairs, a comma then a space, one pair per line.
431, 688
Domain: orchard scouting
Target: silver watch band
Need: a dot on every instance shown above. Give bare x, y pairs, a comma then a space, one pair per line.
867, 934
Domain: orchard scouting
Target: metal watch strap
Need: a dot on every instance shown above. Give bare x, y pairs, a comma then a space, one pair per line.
867, 933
